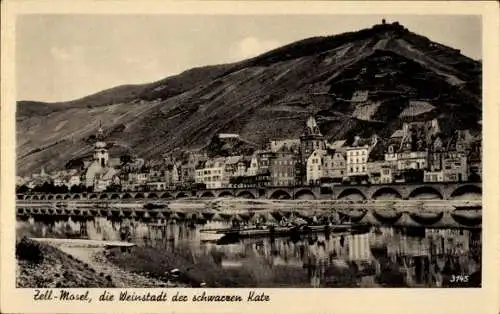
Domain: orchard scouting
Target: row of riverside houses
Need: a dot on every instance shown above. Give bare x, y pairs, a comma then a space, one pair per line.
418, 152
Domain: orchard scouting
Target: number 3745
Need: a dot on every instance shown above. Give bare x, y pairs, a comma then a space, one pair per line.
459, 278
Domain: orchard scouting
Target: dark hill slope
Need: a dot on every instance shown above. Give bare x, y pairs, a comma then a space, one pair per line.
267, 97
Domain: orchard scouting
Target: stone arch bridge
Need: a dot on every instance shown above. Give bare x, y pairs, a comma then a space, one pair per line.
405, 191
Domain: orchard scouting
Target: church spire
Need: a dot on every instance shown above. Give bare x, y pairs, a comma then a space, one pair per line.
100, 132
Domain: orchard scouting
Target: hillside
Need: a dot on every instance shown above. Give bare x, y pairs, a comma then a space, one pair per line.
270, 96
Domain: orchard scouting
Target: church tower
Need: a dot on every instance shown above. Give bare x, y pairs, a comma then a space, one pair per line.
310, 140
101, 155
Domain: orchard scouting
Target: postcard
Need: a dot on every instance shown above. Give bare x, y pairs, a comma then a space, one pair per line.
241, 157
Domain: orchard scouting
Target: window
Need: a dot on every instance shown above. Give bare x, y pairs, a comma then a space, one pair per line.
351, 170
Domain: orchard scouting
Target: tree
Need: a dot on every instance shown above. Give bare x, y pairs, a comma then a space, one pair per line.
46, 187
474, 177
21, 189
113, 188
80, 188
125, 159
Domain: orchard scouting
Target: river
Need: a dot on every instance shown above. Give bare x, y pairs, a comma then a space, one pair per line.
380, 257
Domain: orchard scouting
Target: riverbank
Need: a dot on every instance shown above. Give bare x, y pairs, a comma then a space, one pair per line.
73, 264
41, 265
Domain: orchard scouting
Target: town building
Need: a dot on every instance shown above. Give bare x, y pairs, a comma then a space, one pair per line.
188, 166
254, 165
106, 178
335, 165
374, 169
287, 144
230, 169
315, 167
474, 161
433, 176
282, 168
386, 174
242, 166
212, 174
357, 157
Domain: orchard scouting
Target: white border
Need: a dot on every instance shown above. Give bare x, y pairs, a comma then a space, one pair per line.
484, 300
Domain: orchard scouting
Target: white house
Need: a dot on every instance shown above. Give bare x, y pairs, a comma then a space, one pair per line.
213, 174
315, 169
433, 176
254, 166
357, 155
357, 158
74, 180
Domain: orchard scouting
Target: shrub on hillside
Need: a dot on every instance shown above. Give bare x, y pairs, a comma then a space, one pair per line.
29, 251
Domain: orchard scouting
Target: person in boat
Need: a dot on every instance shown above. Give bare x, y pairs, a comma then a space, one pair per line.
315, 220
334, 218
236, 223
283, 222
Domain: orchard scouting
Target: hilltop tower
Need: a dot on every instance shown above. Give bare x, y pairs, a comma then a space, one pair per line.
101, 155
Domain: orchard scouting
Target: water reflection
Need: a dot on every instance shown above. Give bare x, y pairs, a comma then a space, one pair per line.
384, 256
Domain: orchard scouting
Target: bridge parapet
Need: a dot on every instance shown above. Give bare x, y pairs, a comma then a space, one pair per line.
403, 191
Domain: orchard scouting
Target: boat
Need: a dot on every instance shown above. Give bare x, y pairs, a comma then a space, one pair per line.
270, 230
210, 236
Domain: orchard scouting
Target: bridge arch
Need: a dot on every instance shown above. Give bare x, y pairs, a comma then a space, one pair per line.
103, 196
92, 196
67, 196
207, 194
114, 196
425, 192
139, 195
225, 194
42, 197
245, 194
305, 194
469, 191
126, 196
152, 195
280, 194
50, 197
35, 197
166, 195
58, 197
351, 194
19, 196
386, 193
77, 196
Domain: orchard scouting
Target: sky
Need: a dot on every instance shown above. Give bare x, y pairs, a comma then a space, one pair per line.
65, 57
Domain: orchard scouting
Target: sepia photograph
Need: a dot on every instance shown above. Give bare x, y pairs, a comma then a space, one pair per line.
246, 157
345, 152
